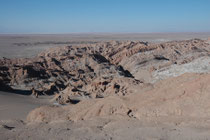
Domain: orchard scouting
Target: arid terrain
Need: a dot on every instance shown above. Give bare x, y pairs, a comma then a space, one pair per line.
29, 45
132, 86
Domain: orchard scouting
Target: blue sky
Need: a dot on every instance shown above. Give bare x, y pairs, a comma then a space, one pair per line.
70, 16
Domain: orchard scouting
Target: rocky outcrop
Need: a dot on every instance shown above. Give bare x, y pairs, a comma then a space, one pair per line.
97, 70
186, 96
69, 72
146, 58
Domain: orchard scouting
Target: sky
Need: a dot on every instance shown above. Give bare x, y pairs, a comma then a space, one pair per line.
112, 16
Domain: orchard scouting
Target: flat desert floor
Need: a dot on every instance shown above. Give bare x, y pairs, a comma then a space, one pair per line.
15, 106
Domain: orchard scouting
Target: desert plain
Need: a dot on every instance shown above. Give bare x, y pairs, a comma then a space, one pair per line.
105, 86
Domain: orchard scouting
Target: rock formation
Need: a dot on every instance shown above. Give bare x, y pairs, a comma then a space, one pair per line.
74, 73
186, 96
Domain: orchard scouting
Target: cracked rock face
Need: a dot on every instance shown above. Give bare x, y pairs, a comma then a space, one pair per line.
69, 72
74, 73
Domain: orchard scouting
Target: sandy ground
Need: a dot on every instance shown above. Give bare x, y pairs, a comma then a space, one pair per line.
104, 129
14, 106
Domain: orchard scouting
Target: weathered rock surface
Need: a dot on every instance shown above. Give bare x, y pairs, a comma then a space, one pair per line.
141, 59
104, 92
186, 96
69, 72
97, 70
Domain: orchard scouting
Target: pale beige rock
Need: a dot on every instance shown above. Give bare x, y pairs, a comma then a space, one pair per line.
186, 96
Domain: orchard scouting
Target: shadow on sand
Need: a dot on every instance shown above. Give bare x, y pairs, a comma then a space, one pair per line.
15, 91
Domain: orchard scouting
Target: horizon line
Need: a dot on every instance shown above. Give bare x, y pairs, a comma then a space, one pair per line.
71, 33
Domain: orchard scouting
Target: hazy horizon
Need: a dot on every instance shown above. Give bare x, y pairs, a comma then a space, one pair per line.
105, 33
92, 16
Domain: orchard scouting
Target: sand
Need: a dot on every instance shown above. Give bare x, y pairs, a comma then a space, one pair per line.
107, 129
15, 106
